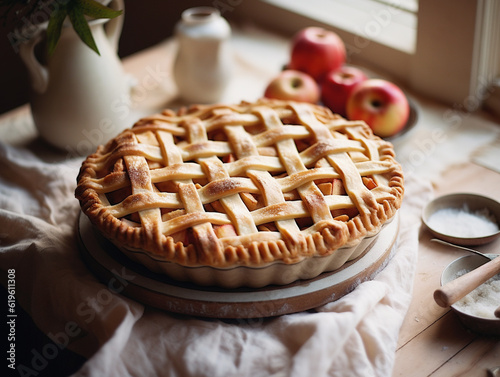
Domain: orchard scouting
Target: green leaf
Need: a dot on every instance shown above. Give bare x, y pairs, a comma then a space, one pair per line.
94, 9
81, 26
54, 28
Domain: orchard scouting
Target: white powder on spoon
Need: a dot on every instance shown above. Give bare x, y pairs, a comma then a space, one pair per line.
463, 223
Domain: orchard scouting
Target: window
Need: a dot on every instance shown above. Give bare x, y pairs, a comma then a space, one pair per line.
381, 21
448, 50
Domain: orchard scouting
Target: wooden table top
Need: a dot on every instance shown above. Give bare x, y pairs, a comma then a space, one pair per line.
433, 341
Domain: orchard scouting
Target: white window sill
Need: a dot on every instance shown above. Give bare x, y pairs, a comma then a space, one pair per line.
368, 19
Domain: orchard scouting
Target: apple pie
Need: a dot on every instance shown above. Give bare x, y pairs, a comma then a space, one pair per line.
247, 185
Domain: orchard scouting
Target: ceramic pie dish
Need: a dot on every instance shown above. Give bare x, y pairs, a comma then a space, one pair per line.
272, 273
250, 185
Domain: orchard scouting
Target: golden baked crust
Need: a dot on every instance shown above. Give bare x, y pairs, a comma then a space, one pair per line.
247, 184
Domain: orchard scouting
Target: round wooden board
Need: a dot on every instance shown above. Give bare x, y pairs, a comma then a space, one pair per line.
135, 281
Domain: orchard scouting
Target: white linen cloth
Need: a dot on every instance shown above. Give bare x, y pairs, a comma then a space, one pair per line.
353, 336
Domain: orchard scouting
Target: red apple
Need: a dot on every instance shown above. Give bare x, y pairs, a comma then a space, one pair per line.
317, 51
337, 87
381, 104
293, 86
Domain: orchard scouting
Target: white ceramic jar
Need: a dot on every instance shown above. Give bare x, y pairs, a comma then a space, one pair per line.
203, 64
77, 94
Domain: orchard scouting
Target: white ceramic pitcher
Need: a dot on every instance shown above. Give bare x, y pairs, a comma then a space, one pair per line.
77, 94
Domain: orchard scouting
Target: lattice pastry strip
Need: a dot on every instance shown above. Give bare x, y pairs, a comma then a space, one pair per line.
292, 180
194, 171
361, 196
203, 231
214, 170
271, 190
292, 162
141, 186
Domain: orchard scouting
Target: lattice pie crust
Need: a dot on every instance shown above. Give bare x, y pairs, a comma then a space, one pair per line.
247, 184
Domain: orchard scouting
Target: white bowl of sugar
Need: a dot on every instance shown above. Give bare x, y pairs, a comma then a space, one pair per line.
464, 218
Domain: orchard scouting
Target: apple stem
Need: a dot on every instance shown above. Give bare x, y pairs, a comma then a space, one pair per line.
296, 82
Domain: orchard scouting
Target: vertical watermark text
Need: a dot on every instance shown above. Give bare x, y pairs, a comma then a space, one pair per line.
11, 318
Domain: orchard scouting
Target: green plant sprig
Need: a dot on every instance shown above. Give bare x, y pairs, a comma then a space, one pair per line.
77, 11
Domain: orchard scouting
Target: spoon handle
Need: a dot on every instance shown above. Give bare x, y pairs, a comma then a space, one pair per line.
454, 290
460, 247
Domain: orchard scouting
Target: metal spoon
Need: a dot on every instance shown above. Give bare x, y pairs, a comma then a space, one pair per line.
462, 247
